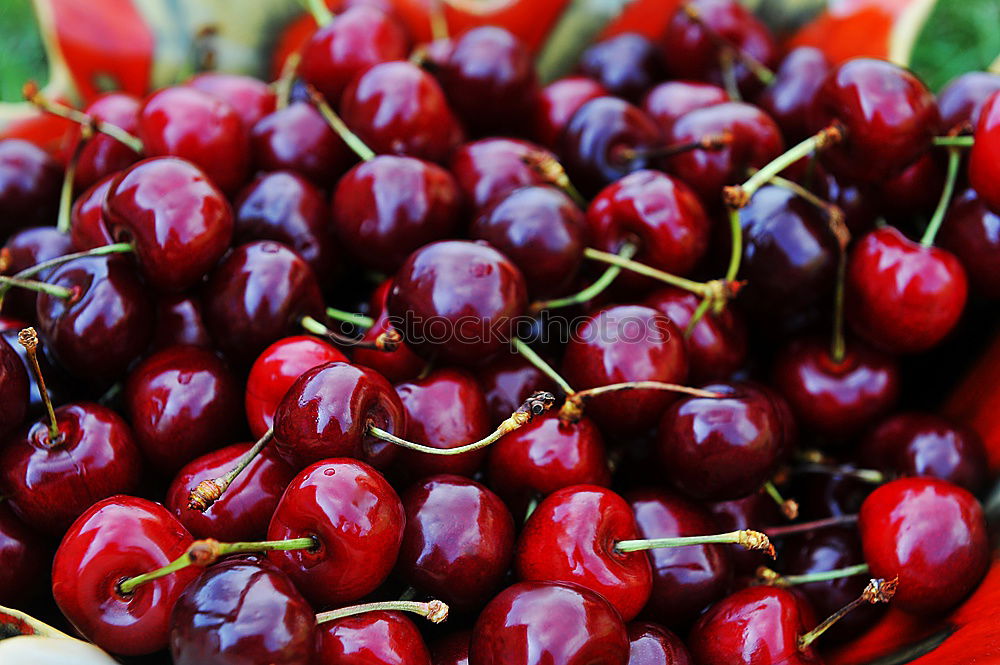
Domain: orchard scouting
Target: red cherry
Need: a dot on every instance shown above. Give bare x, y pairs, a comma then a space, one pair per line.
24, 556
118, 538
401, 364
971, 231
929, 533
505, 381
104, 155
627, 65
791, 97
489, 169
24, 249
358, 521
179, 321
556, 104
387, 638
984, 174
671, 99
297, 138
249, 97
651, 644
13, 389
87, 226
915, 191
29, 186
961, 101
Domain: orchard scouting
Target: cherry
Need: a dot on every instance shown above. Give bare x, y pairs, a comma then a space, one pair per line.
258, 294
557, 102
87, 225
791, 97
356, 517
388, 638
359, 37
117, 538
178, 221
489, 169
929, 533
652, 644
856, 200
400, 364
29, 186
220, 618
23, 559
823, 492
249, 97
14, 394
179, 321
971, 231
398, 108
626, 65
104, 155
24, 249
915, 190
983, 170
903, 296
542, 231
835, 399
457, 300
505, 381
458, 541
297, 138
387, 207
274, 372
686, 580
626, 343
961, 101
580, 628
737, 514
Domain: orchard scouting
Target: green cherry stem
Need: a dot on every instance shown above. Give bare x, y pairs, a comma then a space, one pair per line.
359, 320
338, 125
61, 292
35, 96
69, 178
759, 69
727, 64
954, 160
572, 408
117, 248
751, 540
877, 591
548, 167
955, 141
320, 12
789, 507
627, 251
434, 611
208, 491
387, 341
703, 289
536, 360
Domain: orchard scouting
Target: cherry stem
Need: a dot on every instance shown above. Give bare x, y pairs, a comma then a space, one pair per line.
627, 251
116, 248
572, 408
28, 338
696, 316
955, 141
35, 96
387, 341
715, 288
208, 492
359, 320
709, 142
338, 125
802, 527
728, 66
66, 192
729, 285
320, 12
283, 86
751, 540
756, 67
736, 245
838, 347
877, 591
438, 20
548, 167
205, 552
789, 507
832, 211
954, 159
867, 475
537, 404
54, 290
770, 577
536, 360
434, 611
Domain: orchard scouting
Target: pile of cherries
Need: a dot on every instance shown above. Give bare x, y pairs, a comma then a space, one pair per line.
598, 370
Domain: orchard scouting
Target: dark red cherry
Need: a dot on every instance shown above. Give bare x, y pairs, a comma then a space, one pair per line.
984, 173
24, 249
258, 294
790, 98
250, 97
385, 208
888, 116
971, 231
24, 556
241, 611
626, 65
929, 533
961, 101
626, 343
452, 650
104, 155
29, 186
580, 628
556, 104
398, 108
87, 227
385, 638
902, 296
835, 399
274, 372
720, 449
489, 169
327, 411
401, 364
823, 493
178, 220
652, 644
858, 201
458, 541
753, 511
184, 122
542, 231
445, 409
456, 300
99, 333
118, 538
14, 392
357, 519
914, 191
671, 99
686, 580
182, 402
359, 37
243, 511
179, 321
506, 381
297, 138
596, 142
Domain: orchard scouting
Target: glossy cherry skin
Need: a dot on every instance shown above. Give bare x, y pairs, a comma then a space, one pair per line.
24, 249
489, 169
87, 228
720, 449
671, 99
652, 644
571, 537
626, 65
902, 296
356, 39
452, 650
398, 108
258, 294
387, 207
758, 625
754, 511
179, 320
274, 372
837, 400
402, 364
97, 335
387, 638
177, 218
686, 580
915, 190
326, 413
557, 102
626, 343
489, 78
593, 142
104, 155
961, 101
121, 537
541, 230
457, 543
182, 402
241, 611
888, 116
984, 173
507, 381
297, 138
791, 97
456, 300
929, 533
445, 409
29, 186
580, 628
24, 555
249, 97
184, 122
14, 393
971, 231
356, 517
